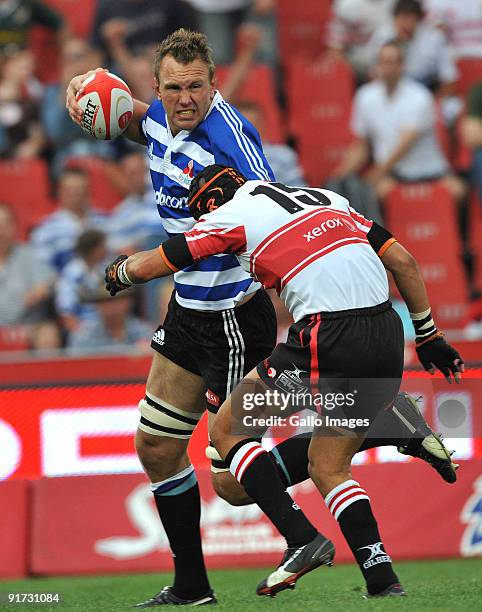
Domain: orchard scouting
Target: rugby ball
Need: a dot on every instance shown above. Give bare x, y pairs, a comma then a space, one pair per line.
107, 105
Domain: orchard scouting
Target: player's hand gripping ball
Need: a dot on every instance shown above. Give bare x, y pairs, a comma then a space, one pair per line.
107, 104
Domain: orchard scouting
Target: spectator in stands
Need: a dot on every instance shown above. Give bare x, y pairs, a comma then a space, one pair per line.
116, 329
351, 28
461, 20
471, 132
56, 236
80, 278
66, 139
220, 20
282, 158
428, 57
141, 23
21, 134
393, 118
17, 17
27, 286
134, 224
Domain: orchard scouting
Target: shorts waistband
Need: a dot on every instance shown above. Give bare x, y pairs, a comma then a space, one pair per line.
369, 311
213, 314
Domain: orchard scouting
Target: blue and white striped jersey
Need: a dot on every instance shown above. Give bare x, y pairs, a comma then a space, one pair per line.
223, 137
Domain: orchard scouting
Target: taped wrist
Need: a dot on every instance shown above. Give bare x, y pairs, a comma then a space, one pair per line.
122, 274
423, 324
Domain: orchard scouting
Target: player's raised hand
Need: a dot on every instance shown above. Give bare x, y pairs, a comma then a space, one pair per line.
75, 87
437, 353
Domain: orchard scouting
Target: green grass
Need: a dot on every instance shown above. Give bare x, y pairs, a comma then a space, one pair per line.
447, 586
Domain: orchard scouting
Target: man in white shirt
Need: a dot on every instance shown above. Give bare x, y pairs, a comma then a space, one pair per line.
428, 56
394, 119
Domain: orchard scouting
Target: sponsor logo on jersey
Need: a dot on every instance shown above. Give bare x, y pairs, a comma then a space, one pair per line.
330, 224
471, 515
213, 399
172, 202
376, 555
290, 381
158, 337
186, 175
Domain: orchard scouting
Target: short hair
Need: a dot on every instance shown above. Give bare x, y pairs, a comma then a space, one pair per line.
396, 45
411, 7
74, 170
185, 46
88, 241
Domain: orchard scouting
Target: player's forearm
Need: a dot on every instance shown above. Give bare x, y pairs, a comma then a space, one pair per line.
356, 157
406, 142
133, 132
146, 265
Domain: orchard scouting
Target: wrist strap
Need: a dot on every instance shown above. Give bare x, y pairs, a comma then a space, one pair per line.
423, 324
438, 334
122, 274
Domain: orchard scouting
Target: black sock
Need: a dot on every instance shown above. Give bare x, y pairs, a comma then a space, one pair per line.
291, 456
350, 506
251, 465
179, 505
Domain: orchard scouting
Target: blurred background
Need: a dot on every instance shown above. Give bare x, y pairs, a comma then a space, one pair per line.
307, 75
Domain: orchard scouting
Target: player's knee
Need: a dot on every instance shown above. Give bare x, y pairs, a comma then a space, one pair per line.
229, 489
163, 433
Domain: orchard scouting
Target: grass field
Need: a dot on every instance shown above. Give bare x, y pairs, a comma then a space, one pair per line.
447, 586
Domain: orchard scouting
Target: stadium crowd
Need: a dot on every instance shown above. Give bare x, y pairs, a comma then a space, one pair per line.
68, 201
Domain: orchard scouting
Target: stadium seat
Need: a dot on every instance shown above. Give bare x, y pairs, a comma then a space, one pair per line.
319, 157
302, 27
259, 87
331, 87
105, 194
45, 49
79, 15
476, 237
470, 73
25, 187
13, 338
43, 42
422, 216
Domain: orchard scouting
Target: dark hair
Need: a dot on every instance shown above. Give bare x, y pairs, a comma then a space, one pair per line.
74, 171
411, 7
185, 46
88, 241
396, 45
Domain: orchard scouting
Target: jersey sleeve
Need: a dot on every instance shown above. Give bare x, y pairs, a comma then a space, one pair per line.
361, 222
213, 234
235, 142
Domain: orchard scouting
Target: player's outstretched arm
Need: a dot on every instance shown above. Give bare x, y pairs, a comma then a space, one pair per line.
171, 256
75, 112
432, 349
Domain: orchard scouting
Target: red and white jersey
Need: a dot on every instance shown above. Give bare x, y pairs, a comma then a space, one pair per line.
308, 244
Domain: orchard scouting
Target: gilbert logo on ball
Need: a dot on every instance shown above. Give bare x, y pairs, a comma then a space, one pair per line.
107, 105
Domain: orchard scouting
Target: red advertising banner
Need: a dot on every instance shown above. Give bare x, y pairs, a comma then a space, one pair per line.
14, 523
97, 524
74, 431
